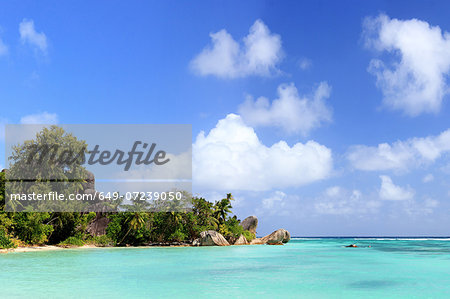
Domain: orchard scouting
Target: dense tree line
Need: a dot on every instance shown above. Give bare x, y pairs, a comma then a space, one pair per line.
128, 224
125, 228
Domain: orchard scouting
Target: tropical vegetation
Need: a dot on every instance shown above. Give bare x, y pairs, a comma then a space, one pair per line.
127, 224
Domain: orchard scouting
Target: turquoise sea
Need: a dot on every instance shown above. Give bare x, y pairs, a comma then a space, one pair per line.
305, 267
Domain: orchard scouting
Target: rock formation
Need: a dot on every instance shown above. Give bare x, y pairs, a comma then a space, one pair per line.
98, 226
89, 185
278, 237
210, 238
241, 240
256, 241
250, 223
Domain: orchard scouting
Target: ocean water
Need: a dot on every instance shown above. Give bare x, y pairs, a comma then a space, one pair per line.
303, 268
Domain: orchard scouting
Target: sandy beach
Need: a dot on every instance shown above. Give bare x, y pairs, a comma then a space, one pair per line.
53, 247
43, 248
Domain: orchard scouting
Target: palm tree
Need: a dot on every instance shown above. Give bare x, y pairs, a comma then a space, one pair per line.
135, 222
222, 208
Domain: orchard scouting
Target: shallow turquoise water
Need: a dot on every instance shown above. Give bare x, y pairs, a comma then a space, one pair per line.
307, 268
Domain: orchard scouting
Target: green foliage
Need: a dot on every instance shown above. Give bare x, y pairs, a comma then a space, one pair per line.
100, 241
31, 227
114, 229
129, 228
203, 212
5, 241
6, 222
222, 208
2, 190
136, 224
178, 236
72, 241
125, 228
248, 235
234, 227
137, 228
66, 224
53, 154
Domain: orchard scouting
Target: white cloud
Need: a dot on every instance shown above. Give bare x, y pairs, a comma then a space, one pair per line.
231, 157
214, 196
289, 111
420, 208
390, 191
304, 63
333, 191
431, 203
401, 155
28, 34
40, 118
278, 203
179, 168
226, 58
428, 178
339, 201
415, 82
275, 200
3, 48
143, 178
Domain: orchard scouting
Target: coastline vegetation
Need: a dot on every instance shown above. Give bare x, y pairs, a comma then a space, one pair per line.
125, 225
129, 228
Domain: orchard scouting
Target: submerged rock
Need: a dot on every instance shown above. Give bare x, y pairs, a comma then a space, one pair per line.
241, 240
211, 238
250, 223
278, 237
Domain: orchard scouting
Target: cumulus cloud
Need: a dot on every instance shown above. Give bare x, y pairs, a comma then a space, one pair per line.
28, 34
390, 191
400, 155
289, 111
416, 81
231, 157
277, 203
40, 118
259, 54
339, 201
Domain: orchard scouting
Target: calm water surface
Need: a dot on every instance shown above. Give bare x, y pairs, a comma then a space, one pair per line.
307, 268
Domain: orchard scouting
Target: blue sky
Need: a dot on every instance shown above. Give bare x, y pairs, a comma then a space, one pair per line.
350, 137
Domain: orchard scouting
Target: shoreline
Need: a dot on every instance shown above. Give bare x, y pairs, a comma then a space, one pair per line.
46, 248
54, 247
159, 245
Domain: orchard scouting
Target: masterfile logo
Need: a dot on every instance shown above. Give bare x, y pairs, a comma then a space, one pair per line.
94, 167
